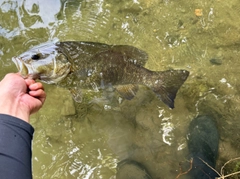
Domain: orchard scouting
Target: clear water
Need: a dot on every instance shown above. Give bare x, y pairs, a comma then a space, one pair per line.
88, 140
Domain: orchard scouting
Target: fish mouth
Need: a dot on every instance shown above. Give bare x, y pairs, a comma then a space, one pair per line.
22, 68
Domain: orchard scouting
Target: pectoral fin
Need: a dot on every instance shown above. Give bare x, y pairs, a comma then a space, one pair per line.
127, 91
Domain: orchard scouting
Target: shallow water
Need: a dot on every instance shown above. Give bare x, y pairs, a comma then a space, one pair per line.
87, 140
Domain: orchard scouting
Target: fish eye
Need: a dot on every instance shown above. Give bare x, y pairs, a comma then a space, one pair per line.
36, 57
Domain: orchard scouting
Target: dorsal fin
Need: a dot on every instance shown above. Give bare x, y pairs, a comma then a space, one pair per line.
133, 54
89, 49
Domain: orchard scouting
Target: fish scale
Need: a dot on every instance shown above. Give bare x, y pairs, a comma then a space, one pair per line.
88, 64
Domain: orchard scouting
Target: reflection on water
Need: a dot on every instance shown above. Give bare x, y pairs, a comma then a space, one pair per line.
87, 141
21, 16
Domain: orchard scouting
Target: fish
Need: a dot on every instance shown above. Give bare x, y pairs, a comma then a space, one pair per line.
93, 65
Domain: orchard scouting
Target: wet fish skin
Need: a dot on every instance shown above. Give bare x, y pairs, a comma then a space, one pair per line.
88, 63
120, 68
103, 64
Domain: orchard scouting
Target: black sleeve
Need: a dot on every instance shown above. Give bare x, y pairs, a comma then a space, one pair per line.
15, 148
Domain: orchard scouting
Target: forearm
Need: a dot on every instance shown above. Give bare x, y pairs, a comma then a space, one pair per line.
15, 148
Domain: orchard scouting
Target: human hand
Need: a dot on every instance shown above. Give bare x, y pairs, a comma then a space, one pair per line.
20, 97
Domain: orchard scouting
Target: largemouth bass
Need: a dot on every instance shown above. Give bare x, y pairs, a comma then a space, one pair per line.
88, 64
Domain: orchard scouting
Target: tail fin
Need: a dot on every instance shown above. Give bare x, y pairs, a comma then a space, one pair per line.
167, 83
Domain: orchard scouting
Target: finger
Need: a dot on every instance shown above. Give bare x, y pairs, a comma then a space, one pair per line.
35, 86
29, 82
39, 94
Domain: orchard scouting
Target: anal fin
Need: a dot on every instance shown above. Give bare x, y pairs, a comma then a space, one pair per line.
127, 91
76, 94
